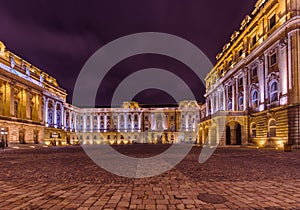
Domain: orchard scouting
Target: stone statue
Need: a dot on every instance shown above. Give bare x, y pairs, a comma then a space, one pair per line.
12, 62
41, 78
27, 71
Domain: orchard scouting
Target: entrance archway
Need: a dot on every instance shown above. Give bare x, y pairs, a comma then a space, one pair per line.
238, 134
228, 135
36, 136
22, 136
233, 133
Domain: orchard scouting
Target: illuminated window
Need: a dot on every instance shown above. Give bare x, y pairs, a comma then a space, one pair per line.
230, 106
272, 128
255, 99
241, 103
274, 92
253, 130
273, 59
272, 22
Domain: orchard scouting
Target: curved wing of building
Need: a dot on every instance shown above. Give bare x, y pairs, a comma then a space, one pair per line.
255, 82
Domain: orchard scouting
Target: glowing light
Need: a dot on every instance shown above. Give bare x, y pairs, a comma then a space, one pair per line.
262, 143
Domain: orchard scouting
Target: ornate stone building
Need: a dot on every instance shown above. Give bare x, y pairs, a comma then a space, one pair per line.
253, 90
33, 109
25, 92
133, 123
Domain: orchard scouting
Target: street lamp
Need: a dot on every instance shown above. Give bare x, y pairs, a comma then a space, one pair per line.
3, 132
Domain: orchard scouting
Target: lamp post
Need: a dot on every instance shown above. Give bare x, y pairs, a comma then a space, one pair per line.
4, 141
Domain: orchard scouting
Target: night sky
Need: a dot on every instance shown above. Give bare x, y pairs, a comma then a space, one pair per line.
59, 36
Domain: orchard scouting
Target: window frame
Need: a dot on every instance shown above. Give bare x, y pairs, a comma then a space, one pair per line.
272, 92
270, 22
254, 101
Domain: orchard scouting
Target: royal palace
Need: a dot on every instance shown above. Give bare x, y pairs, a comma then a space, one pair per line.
252, 96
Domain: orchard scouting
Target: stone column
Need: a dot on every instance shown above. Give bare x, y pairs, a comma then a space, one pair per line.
140, 121
132, 122
39, 108
46, 111
98, 122
217, 100
91, 123
186, 121
55, 114
28, 104
118, 122
125, 122
12, 98
246, 95
71, 115
105, 121
84, 123
233, 95
75, 122
62, 116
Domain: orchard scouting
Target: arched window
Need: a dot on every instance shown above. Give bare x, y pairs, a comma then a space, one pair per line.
274, 91
255, 99
253, 130
230, 106
241, 103
272, 128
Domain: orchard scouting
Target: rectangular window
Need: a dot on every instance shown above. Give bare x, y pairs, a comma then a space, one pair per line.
240, 81
253, 40
272, 22
254, 72
273, 59
230, 89
240, 52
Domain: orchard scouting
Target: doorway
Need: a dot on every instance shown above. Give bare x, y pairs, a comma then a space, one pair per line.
228, 135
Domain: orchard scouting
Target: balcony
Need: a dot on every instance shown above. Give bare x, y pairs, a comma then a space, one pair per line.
225, 113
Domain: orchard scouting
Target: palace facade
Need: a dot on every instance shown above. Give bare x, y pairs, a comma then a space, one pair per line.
254, 88
252, 96
33, 109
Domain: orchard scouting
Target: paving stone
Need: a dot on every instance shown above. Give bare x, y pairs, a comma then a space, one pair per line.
65, 178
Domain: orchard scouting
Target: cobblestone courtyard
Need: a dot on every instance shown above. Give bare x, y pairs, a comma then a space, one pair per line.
233, 178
